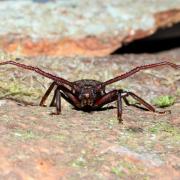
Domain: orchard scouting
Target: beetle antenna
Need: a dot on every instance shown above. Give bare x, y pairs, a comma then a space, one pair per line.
39, 71
137, 69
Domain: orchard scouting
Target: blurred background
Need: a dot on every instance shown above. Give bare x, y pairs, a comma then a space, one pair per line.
88, 28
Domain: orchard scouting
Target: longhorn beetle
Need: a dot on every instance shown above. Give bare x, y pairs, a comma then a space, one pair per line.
88, 94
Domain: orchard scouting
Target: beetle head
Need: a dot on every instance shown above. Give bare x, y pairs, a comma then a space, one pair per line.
87, 92
87, 96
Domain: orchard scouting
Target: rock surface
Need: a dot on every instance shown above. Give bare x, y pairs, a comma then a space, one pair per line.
79, 145
88, 28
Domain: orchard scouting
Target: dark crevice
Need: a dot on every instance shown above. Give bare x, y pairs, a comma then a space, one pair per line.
162, 40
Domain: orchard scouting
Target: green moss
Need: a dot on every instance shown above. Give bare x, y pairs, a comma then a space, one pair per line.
16, 88
164, 101
162, 126
79, 162
118, 170
128, 139
124, 166
166, 130
57, 137
132, 101
25, 135
112, 122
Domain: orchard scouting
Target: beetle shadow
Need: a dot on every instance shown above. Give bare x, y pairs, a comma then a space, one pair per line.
91, 110
25, 103
109, 108
19, 102
135, 129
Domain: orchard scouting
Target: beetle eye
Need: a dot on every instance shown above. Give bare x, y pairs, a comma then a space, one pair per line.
75, 89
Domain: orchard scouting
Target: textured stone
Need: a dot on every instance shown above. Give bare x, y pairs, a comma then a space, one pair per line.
79, 145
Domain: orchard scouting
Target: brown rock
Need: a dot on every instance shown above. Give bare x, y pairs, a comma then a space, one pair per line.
69, 29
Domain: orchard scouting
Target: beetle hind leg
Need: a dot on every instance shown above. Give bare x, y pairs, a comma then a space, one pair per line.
141, 101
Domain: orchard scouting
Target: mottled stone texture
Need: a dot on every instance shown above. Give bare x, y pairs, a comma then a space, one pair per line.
73, 27
93, 146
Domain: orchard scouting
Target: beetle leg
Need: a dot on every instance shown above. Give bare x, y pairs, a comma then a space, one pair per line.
141, 101
110, 97
53, 104
58, 101
66, 94
69, 96
105, 99
126, 101
119, 107
43, 99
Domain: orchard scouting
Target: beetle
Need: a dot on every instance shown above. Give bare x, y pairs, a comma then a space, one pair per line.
87, 94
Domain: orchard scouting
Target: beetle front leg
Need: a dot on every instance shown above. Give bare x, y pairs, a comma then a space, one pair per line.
110, 97
119, 107
63, 92
53, 104
57, 102
43, 99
